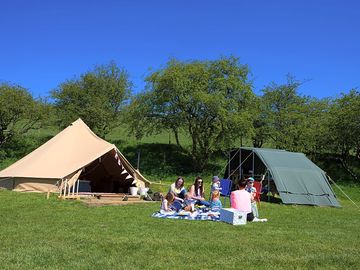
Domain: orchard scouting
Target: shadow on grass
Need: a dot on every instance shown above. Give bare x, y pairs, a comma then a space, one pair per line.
271, 199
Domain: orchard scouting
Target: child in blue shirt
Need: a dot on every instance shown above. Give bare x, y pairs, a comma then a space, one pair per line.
215, 203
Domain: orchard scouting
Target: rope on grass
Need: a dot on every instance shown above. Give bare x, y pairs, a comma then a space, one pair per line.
343, 192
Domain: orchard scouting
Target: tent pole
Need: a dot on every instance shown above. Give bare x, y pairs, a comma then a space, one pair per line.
253, 161
60, 190
224, 169
229, 165
268, 173
73, 189
240, 164
240, 169
62, 185
138, 160
64, 188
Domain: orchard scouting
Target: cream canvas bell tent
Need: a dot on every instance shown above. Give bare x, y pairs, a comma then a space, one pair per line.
76, 153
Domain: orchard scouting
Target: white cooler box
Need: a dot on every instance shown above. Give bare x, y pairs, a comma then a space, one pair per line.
233, 216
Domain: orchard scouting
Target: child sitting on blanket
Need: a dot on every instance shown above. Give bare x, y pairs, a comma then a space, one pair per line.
166, 204
215, 204
189, 203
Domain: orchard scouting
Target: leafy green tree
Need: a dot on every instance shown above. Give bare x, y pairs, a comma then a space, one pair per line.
343, 134
262, 129
208, 100
97, 97
19, 112
283, 115
314, 126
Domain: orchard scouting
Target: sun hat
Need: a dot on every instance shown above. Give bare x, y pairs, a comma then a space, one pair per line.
215, 178
250, 179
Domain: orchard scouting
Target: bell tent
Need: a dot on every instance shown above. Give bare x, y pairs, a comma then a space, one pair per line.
74, 154
293, 176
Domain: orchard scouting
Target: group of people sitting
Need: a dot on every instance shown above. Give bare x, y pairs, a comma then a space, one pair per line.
179, 199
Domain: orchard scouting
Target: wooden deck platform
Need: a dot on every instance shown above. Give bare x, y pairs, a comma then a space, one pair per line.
99, 198
92, 202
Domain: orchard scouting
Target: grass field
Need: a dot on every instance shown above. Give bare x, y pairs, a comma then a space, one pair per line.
36, 233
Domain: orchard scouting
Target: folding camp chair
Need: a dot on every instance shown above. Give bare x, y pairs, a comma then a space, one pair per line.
226, 185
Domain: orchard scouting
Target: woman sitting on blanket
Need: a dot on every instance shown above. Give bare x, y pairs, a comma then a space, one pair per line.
166, 204
178, 189
197, 192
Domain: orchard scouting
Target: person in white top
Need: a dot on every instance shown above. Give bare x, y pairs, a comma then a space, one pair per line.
178, 189
166, 203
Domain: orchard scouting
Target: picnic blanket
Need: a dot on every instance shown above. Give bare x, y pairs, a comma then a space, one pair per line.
199, 214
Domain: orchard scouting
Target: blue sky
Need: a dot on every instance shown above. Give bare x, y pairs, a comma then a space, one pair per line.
44, 43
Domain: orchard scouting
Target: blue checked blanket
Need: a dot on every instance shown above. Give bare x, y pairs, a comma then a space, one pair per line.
199, 214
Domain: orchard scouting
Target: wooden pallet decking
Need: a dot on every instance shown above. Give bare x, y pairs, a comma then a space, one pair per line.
92, 202
99, 199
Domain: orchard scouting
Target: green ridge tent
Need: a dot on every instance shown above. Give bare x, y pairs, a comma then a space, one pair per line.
297, 179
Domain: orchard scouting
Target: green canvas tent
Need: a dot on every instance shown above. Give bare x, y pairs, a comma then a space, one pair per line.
297, 179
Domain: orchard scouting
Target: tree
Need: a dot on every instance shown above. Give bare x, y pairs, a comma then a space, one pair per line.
262, 129
19, 112
208, 100
313, 126
283, 115
343, 135
97, 97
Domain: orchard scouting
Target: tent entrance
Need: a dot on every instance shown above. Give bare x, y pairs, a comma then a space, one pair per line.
244, 163
105, 175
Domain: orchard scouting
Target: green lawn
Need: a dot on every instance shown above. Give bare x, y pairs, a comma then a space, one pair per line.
36, 233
